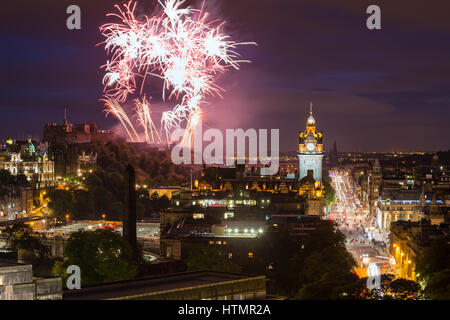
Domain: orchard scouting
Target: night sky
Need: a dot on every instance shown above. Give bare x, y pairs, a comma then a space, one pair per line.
385, 90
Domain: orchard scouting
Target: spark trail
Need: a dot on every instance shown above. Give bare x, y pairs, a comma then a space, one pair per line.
181, 46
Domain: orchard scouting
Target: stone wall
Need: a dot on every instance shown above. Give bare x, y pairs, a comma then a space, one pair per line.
17, 283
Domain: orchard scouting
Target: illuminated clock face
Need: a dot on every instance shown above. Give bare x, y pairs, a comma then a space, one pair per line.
310, 146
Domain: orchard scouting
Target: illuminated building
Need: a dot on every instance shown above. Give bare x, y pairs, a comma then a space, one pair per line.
310, 150
24, 158
402, 204
408, 240
229, 208
370, 189
67, 145
18, 203
236, 186
397, 204
164, 191
78, 133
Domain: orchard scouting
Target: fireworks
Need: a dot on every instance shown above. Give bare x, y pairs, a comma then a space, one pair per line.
181, 47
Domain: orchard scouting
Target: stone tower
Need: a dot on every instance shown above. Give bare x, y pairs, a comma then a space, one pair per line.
310, 149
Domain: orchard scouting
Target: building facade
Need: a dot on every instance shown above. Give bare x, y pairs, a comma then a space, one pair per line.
398, 204
408, 240
22, 157
17, 283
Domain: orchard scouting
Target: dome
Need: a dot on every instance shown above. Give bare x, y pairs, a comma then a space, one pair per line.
30, 148
307, 180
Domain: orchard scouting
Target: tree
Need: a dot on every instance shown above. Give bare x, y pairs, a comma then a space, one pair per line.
102, 199
326, 287
7, 179
279, 265
61, 202
21, 180
83, 206
206, 258
324, 263
438, 285
330, 193
403, 289
390, 289
20, 237
432, 267
102, 256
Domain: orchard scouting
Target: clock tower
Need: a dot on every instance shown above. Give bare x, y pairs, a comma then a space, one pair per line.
310, 150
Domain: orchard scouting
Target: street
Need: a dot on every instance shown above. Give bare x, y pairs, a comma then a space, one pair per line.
363, 240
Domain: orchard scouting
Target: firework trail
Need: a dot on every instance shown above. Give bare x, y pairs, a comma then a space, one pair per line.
112, 106
143, 115
182, 47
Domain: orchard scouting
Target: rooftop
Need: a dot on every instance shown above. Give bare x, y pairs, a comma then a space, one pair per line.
8, 263
153, 284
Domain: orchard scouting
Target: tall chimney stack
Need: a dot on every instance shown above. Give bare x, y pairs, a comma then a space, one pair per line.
129, 213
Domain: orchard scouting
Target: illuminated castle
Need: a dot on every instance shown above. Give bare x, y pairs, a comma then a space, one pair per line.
310, 150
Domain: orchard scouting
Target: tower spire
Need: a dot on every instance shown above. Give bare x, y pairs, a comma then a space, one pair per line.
311, 121
65, 116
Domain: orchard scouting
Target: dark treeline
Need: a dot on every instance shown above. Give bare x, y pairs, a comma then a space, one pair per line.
152, 166
102, 190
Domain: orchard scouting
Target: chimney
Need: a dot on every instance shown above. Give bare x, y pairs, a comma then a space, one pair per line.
129, 213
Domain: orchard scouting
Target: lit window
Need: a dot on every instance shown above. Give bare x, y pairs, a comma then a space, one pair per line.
211, 242
218, 242
250, 255
198, 216
230, 255
228, 215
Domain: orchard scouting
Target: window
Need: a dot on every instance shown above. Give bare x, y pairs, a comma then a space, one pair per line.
228, 215
168, 252
230, 255
198, 216
250, 255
